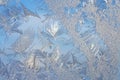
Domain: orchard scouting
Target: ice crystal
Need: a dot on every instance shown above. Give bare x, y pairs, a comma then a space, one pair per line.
59, 39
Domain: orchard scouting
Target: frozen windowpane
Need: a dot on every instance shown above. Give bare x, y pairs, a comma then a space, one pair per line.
59, 39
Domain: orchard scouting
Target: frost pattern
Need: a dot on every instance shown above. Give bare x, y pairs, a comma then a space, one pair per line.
59, 39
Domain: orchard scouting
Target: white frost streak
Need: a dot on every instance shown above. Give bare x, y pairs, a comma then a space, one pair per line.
53, 29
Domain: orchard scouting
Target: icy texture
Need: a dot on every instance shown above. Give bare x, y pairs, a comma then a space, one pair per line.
59, 39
